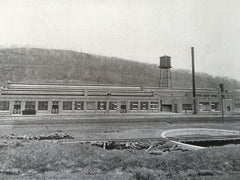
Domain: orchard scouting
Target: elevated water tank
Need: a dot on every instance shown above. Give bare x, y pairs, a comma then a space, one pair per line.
165, 62
165, 80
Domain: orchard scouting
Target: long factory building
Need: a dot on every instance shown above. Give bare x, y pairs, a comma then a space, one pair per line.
68, 99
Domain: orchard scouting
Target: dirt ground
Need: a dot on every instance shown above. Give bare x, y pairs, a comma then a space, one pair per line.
52, 159
93, 131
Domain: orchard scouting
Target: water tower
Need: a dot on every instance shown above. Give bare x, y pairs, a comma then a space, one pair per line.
165, 79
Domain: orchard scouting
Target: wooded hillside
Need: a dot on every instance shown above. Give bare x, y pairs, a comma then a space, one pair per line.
43, 65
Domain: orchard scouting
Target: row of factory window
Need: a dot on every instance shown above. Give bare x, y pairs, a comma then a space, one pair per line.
76, 105
30, 106
207, 95
227, 96
203, 106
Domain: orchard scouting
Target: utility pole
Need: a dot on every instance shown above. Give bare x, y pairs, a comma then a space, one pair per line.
193, 83
221, 87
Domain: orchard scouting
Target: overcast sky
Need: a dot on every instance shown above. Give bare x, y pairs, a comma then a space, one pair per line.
139, 30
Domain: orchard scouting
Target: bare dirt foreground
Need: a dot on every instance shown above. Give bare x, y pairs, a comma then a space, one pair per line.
49, 152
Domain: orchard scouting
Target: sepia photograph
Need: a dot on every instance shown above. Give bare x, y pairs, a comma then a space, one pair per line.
120, 89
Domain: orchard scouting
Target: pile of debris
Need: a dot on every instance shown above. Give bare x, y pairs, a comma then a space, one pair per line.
54, 136
153, 147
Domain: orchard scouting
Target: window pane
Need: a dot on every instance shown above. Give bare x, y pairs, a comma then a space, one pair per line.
4, 105
187, 106
67, 105
112, 105
55, 102
133, 105
30, 105
215, 106
79, 105
42, 105
101, 105
144, 106
204, 106
228, 108
90, 105
154, 106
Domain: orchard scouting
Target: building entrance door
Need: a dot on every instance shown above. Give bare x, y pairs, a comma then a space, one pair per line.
55, 107
17, 107
166, 108
123, 108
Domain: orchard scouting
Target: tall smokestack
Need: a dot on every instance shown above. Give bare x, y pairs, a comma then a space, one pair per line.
193, 83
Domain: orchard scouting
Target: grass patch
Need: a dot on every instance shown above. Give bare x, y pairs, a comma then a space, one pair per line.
40, 158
